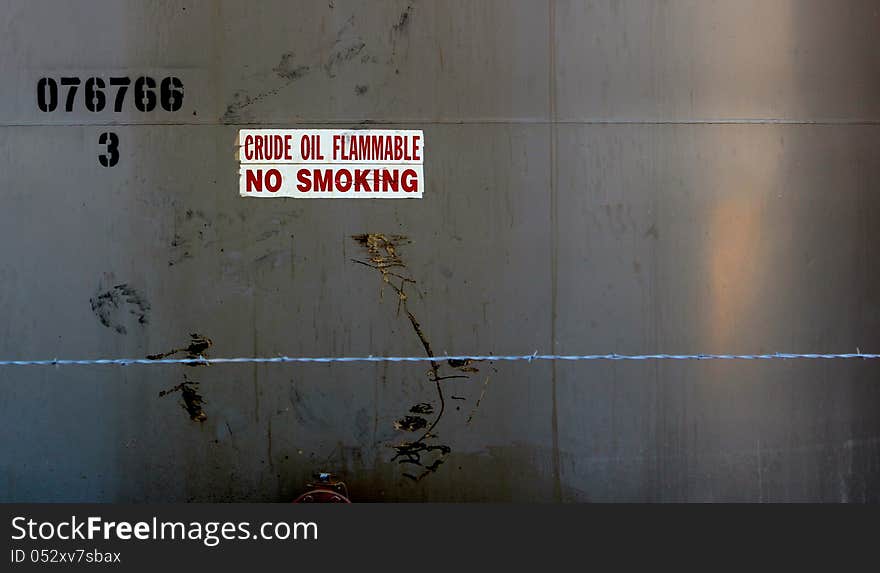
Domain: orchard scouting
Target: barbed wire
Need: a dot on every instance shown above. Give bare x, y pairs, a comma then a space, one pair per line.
459, 358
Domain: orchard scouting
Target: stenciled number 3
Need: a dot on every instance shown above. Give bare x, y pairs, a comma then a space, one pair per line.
110, 158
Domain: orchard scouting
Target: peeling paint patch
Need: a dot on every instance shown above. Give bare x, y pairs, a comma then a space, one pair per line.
384, 257
192, 400
197, 348
422, 408
462, 365
410, 423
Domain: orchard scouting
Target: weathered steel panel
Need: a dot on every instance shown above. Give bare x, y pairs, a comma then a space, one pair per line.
687, 60
602, 176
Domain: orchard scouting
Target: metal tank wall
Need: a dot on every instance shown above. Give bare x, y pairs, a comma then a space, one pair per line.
602, 176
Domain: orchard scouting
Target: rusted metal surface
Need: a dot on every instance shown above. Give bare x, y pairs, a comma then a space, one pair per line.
679, 176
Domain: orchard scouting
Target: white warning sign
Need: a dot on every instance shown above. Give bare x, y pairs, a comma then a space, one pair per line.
331, 163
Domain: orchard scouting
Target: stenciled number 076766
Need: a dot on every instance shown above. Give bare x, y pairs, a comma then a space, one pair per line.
147, 92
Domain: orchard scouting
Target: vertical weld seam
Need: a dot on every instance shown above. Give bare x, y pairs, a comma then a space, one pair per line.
256, 365
554, 250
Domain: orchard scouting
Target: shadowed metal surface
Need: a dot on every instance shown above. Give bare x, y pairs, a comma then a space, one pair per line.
630, 177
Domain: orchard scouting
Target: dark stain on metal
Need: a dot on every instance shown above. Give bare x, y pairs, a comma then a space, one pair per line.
343, 55
110, 305
288, 69
428, 469
176, 243
192, 231
241, 100
412, 453
398, 30
384, 258
192, 400
463, 365
410, 423
197, 348
361, 89
422, 408
403, 20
